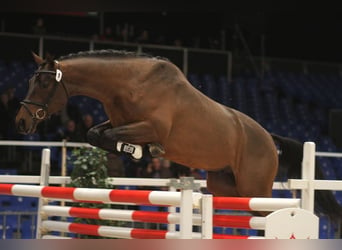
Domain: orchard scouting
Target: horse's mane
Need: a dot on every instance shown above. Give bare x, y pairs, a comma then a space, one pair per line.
109, 53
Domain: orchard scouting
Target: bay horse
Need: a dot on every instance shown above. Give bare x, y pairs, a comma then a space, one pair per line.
150, 103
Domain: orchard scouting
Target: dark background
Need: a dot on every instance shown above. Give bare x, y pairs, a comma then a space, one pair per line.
298, 35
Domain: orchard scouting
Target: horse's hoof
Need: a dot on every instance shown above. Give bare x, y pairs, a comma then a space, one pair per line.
156, 149
93, 137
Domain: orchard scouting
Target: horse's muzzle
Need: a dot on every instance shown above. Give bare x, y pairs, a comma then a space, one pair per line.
21, 126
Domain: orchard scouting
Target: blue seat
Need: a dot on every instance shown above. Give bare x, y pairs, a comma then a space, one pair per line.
29, 204
326, 230
218, 230
6, 202
250, 232
7, 232
8, 171
12, 221
18, 203
128, 187
228, 230
28, 226
70, 219
149, 208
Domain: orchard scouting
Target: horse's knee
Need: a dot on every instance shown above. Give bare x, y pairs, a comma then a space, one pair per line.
255, 186
221, 183
102, 138
94, 136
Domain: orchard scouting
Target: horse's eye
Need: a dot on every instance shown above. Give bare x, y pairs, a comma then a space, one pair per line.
41, 81
43, 84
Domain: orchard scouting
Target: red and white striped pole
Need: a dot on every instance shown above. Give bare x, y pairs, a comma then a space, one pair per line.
239, 221
207, 220
254, 204
114, 232
117, 214
145, 197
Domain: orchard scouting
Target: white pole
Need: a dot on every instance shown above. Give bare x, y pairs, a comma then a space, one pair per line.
308, 174
186, 208
44, 181
186, 214
172, 209
207, 216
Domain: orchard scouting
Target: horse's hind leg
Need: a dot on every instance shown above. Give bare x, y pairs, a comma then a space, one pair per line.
256, 174
257, 171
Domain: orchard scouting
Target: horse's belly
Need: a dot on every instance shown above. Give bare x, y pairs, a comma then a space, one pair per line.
207, 154
213, 143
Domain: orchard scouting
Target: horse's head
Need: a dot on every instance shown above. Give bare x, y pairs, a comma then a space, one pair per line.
46, 95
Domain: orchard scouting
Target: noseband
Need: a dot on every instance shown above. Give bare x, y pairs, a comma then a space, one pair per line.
43, 112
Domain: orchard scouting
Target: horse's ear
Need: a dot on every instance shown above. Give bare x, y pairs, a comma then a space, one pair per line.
37, 58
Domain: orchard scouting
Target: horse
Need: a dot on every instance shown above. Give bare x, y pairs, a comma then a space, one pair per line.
153, 108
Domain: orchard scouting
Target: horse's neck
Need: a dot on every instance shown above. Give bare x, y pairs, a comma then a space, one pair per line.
109, 82
91, 78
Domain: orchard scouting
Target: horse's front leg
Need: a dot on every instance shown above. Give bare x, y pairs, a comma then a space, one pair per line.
96, 138
129, 138
133, 135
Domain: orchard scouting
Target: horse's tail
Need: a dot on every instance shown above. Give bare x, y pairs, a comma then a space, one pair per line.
290, 161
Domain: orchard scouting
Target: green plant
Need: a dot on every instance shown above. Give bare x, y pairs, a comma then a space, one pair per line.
89, 168
90, 171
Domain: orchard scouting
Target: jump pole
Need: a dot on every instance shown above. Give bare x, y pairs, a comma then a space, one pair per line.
186, 185
63, 170
308, 174
207, 212
171, 227
44, 181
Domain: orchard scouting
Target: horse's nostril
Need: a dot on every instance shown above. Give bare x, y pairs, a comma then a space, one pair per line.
21, 125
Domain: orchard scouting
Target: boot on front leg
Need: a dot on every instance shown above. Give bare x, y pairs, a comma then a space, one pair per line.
134, 137
133, 150
137, 151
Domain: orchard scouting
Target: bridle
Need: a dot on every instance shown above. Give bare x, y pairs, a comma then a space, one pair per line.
43, 111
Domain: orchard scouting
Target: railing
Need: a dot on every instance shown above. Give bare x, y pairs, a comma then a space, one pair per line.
297, 65
190, 60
